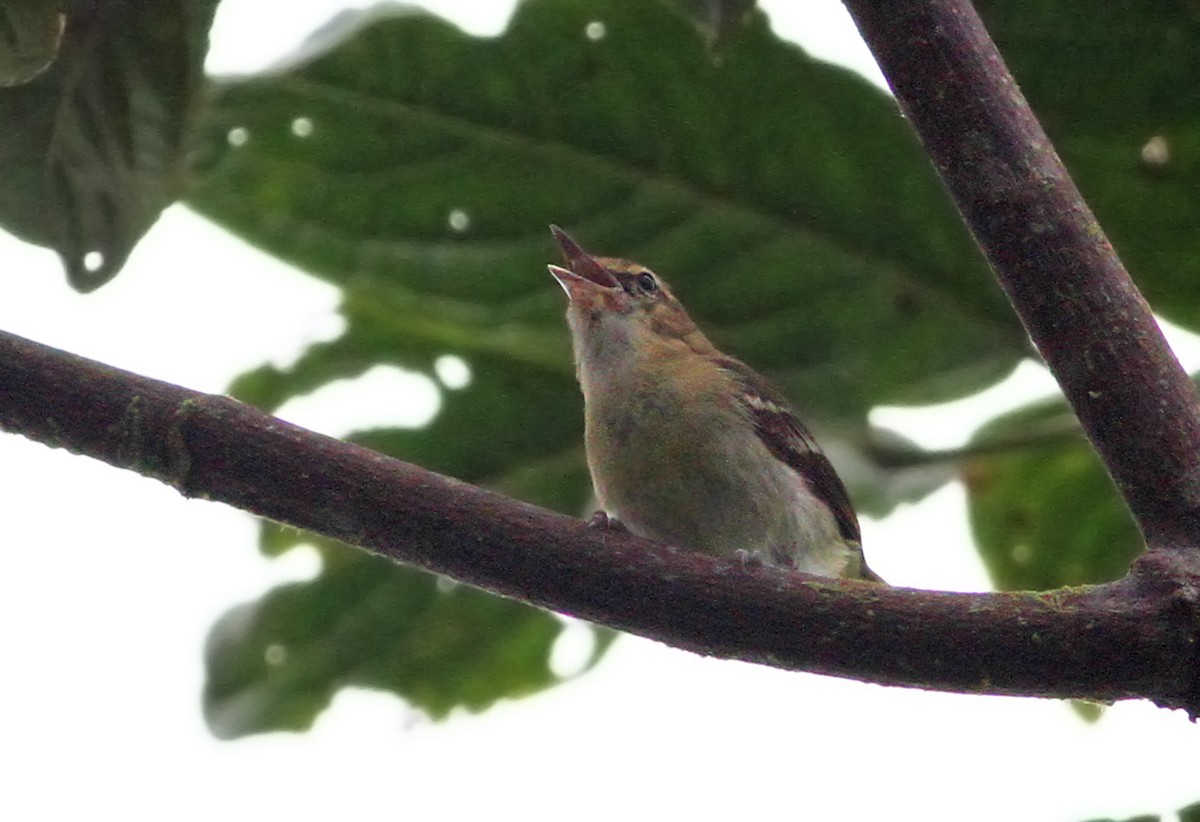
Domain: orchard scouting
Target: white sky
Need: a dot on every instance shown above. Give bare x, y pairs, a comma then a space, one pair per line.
111, 581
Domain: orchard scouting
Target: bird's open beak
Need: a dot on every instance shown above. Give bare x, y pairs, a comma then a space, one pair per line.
585, 280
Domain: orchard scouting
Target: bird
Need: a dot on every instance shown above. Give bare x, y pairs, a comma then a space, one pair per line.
689, 446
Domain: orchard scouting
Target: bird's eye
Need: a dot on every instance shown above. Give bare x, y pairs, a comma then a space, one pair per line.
646, 283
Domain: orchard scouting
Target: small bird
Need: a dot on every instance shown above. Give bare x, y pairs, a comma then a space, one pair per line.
689, 446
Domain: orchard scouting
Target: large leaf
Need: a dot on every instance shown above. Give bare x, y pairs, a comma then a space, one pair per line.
94, 148
418, 167
277, 663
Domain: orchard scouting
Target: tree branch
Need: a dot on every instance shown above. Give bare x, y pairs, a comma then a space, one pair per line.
1077, 302
1130, 639
1135, 638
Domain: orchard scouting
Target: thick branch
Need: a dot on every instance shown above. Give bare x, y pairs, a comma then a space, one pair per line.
1078, 304
1133, 639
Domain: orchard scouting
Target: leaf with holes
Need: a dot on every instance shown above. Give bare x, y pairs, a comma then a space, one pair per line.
96, 146
276, 663
417, 168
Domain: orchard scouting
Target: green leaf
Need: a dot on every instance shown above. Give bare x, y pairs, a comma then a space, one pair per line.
481, 434
30, 34
95, 147
1130, 140
508, 422
418, 168
1046, 515
716, 20
275, 664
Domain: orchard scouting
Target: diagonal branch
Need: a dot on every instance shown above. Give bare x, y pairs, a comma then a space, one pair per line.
1129, 639
1077, 302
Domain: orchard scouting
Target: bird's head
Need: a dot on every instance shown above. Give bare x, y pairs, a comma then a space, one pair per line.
617, 305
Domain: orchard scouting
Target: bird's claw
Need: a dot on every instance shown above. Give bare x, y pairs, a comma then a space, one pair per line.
601, 519
748, 559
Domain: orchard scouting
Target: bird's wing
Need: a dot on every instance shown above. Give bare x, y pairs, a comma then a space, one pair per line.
791, 442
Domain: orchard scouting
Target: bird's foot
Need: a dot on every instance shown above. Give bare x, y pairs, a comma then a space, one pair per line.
601, 519
748, 559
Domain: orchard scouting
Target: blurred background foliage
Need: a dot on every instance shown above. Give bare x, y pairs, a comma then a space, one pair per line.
417, 168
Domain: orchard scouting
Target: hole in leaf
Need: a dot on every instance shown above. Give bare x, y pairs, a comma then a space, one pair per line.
300, 563
238, 136
453, 371
302, 127
595, 31
458, 220
93, 260
1156, 153
573, 649
384, 396
1022, 553
275, 655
